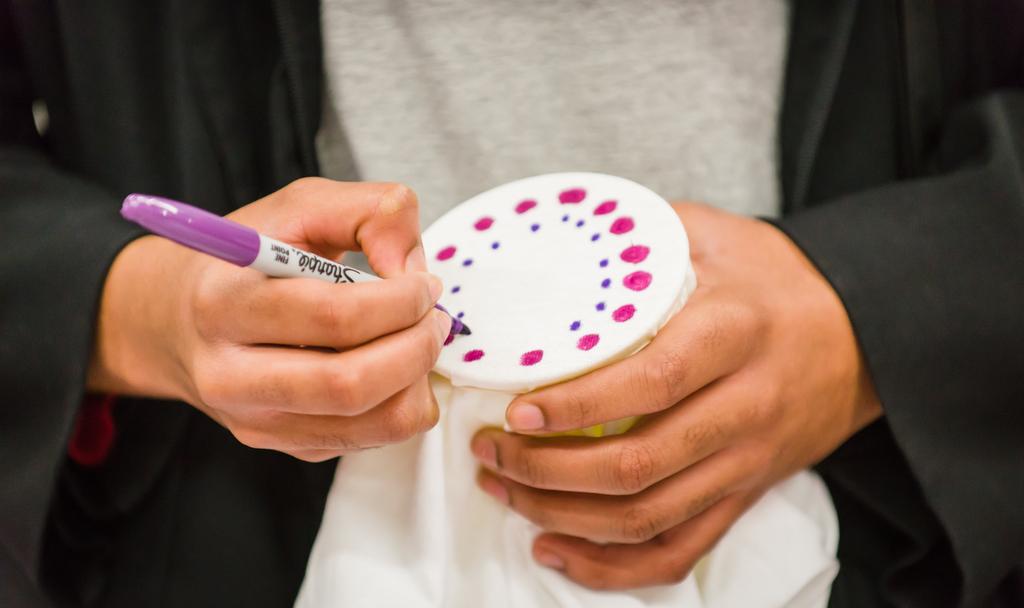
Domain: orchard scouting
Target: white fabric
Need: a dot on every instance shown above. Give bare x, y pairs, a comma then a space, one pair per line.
407, 526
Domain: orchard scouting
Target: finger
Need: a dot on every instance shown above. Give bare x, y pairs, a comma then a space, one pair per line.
664, 560
307, 381
708, 339
315, 313
660, 446
624, 519
380, 219
410, 412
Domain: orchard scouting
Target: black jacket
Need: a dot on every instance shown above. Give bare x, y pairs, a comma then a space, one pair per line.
902, 164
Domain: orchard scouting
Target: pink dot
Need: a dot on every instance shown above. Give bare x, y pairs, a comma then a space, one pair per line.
635, 254
622, 225
473, 355
525, 206
637, 281
588, 341
573, 195
605, 208
446, 253
531, 358
624, 313
483, 223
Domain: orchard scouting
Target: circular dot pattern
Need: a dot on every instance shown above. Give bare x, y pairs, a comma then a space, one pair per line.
623, 313
572, 196
634, 254
637, 281
621, 225
525, 206
532, 357
577, 314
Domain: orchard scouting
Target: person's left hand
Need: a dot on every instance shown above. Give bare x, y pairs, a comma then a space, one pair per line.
759, 376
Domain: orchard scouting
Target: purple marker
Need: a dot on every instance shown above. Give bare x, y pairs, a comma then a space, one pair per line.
241, 245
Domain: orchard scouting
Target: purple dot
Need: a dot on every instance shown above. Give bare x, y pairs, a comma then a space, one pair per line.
456, 289
565, 218
574, 326
531, 358
600, 306
467, 262
483, 223
605, 283
588, 341
534, 227
634, 254
604, 263
572, 196
579, 224
495, 245
623, 313
460, 315
474, 355
449, 339
637, 281
525, 206
605, 208
622, 225
595, 236
446, 253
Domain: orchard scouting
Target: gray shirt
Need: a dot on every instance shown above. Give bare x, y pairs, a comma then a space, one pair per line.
453, 97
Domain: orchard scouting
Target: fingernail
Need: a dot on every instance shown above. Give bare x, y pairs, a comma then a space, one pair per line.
551, 560
525, 417
435, 285
416, 261
493, 487
486, 452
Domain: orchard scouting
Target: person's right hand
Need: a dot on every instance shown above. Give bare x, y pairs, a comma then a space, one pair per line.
302, 366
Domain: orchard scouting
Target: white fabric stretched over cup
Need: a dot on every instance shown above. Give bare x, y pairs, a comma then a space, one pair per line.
406, 525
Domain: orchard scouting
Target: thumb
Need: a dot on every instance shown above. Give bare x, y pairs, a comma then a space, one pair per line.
329, 217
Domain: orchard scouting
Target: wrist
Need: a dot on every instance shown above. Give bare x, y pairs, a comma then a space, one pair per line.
133, 352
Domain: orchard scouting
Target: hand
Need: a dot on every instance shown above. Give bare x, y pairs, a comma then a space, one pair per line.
179, 324
759, 376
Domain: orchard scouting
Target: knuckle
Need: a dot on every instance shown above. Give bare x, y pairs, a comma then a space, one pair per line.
398, 196
302, 188
427, 349
671, 374
676, 573
703, 432
251, 438
578, 408
401, 423
206, 303
342, 387
633, 469
532, 469
329, 441
640, 523
330, 314
212, 389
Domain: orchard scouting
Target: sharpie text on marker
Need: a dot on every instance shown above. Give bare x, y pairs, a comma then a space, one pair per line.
232, 242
